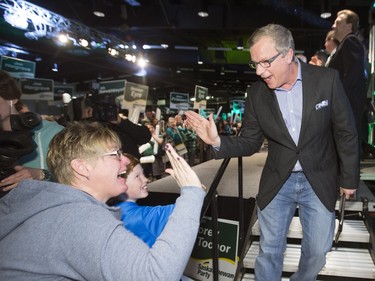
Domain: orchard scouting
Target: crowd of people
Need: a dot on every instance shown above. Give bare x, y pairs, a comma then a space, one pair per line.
55, 211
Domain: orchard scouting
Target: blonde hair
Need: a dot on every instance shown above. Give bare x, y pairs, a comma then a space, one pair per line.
80, 139
331, 36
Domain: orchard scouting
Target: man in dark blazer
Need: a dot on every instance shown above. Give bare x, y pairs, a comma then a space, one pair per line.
349, 61
312, 150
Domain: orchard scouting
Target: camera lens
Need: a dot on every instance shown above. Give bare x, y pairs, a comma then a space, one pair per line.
31, 119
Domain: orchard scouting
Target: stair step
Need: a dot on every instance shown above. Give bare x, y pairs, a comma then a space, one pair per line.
348, 262
251, 277
352, 230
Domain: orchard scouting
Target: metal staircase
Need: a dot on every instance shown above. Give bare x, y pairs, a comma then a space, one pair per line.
352, 258
344, 262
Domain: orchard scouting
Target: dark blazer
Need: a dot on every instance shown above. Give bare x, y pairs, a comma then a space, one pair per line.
328, 144
349, 61
131, 136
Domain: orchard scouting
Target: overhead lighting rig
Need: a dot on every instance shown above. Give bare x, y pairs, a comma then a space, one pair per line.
42, 23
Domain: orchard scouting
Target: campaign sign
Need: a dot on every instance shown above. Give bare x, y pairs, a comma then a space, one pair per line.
200, 265
135, 96
18, 68
37, 89
201, 94
179, 101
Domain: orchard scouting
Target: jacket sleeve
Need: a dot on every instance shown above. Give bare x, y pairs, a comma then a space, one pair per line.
344, 132
251, 138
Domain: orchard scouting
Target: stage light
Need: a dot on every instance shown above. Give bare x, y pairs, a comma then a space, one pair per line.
63, 38
200, 61
83, 42
203, 9
98, 9
113, 52
325, 9
130, 57
240, 44
142, 62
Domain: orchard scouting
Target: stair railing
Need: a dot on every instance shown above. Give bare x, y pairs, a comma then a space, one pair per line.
211, 200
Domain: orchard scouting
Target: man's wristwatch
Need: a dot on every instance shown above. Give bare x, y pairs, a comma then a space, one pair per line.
45, 175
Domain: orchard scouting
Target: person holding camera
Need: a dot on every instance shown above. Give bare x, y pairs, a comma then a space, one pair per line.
28, 126
103, 108
66, 231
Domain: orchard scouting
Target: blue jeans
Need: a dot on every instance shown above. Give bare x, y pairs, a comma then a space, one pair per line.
318, 225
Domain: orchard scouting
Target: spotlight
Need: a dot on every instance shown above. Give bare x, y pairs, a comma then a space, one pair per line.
142, 62
130, 57
325, 15
200, 61
240, 44
203, 9
98, 9
112, 52
325, 9
83, 42
55, 67
63, 38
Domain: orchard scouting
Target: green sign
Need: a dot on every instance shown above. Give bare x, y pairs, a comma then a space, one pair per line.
200, 265
179, 101
135, 96
18, 68
116, 87
200, 93
200, 97
37, 89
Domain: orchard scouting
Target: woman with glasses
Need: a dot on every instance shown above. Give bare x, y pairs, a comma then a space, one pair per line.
66, 231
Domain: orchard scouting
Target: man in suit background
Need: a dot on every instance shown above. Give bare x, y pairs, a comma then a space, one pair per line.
349, 61
312, 150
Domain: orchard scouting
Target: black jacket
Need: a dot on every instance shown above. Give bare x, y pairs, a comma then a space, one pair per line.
328, 143
131, 136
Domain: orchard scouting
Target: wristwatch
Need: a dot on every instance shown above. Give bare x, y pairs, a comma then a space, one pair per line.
45, 175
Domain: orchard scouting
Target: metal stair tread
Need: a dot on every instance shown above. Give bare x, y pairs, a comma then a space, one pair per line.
251, 277
353, 230
348, 262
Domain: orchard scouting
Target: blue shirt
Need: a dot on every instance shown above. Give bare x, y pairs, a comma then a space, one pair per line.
290, 103
146, 222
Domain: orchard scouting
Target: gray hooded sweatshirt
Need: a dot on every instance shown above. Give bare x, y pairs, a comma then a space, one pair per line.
51, 231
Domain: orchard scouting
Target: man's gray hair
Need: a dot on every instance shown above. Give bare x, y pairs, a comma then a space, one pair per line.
280, 35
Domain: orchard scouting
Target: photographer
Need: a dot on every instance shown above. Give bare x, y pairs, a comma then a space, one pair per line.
16, 139
103, 108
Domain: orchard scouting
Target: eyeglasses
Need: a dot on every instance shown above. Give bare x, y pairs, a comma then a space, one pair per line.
264, 63
117, 154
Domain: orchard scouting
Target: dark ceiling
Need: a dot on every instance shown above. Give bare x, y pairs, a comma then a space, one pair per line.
213, 39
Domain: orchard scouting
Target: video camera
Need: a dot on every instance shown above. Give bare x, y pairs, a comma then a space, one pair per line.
104, 106
18, 142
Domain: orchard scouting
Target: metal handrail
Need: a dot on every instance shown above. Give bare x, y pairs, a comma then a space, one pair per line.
211, 199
